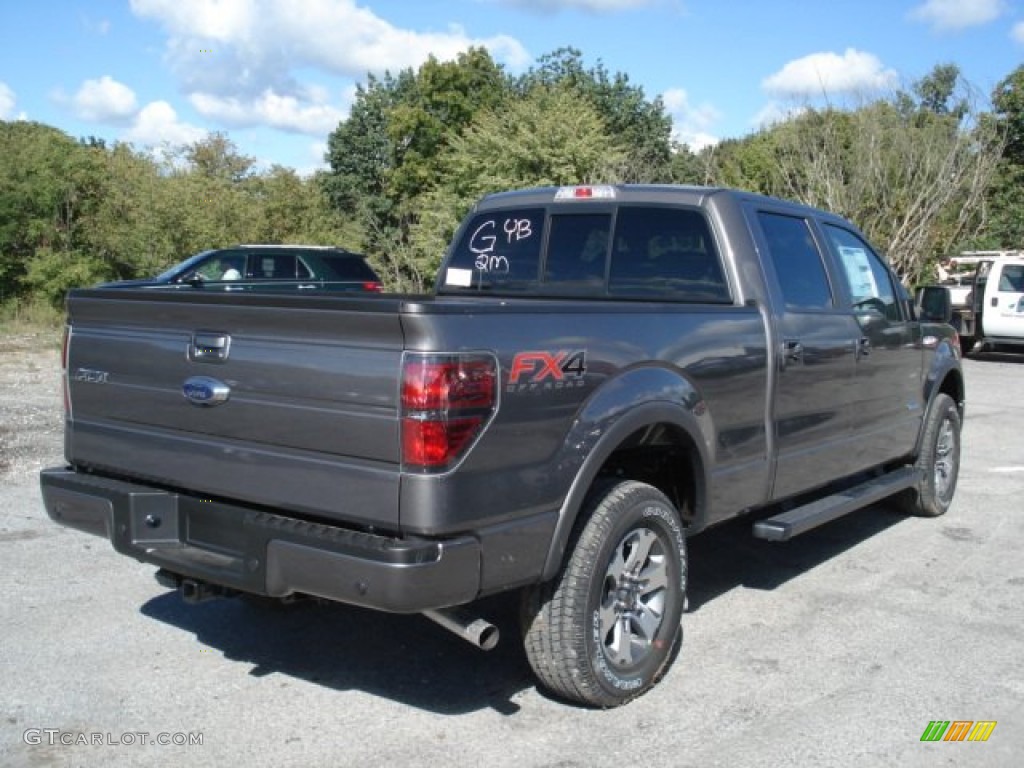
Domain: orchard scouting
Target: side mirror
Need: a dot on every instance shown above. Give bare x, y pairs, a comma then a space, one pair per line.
935, 304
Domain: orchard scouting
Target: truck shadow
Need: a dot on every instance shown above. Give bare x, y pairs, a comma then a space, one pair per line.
411, 660
406, 658
728, 556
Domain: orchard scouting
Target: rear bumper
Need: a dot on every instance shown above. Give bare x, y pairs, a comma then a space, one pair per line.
256, 551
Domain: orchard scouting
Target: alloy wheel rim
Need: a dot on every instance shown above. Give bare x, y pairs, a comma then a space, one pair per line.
945, 459
633, 598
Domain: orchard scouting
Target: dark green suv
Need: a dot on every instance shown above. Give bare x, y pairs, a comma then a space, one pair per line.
271, 267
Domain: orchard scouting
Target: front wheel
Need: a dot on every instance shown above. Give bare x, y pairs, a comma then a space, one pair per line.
603, 631
938, 462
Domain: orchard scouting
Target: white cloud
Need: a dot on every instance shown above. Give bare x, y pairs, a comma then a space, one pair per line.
240, 48
690, 124
1017, 33
592, 6
947, 15
7, 101
273, 109
831, 74
157, 122
104, 100
316, 152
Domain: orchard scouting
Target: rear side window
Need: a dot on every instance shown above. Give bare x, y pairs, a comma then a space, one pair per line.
276, 266
797, 261
665, 253
498, 251
347, 268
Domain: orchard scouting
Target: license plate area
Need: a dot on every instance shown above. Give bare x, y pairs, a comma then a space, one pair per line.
154, 520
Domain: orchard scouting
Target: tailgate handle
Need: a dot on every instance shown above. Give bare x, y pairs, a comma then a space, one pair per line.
209, 347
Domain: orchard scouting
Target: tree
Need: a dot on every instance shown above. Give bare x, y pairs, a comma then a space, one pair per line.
937, 92
1005, 198
642, 124
911, 172
48, 182
553, 136
386, 156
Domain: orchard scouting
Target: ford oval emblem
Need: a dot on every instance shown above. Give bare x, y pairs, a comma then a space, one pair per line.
203, 390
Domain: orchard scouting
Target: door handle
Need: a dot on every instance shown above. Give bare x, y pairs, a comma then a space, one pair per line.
209, 347
793, 351
863, 346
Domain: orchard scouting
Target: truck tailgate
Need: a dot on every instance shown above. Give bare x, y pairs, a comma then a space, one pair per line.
310, 419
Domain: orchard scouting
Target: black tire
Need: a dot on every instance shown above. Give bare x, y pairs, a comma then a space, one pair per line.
605, 629
938, 462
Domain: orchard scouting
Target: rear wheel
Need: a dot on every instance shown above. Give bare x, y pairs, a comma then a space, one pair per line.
604, 630
938, 462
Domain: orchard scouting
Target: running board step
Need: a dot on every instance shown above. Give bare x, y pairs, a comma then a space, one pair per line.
801, 519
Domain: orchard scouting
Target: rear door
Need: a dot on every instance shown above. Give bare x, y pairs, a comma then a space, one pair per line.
816, 339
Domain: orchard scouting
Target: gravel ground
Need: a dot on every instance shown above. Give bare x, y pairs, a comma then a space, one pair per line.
31, 421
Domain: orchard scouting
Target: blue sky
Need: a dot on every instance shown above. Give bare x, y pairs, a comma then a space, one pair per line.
278, 75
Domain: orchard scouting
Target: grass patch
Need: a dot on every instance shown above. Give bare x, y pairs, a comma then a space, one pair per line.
18, 316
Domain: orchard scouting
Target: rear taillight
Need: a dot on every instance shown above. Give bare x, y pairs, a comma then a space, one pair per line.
373, 286
64, 371
446, 402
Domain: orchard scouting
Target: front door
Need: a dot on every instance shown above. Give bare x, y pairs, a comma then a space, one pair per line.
888, 396
1003, 312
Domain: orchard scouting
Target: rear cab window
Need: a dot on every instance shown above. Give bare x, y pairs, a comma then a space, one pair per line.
624, 251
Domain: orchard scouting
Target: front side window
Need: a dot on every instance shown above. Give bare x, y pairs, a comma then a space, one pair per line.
223, 265
1012, 279
797, 261
867, 277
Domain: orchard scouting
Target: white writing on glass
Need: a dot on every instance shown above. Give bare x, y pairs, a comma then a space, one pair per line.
520, 229
484, 241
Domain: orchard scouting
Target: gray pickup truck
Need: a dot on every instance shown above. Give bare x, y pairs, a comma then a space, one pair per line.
601, 372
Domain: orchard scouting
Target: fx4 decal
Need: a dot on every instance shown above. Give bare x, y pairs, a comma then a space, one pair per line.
534, 370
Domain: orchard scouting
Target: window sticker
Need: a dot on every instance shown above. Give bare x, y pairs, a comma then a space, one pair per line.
858, 271
461, 278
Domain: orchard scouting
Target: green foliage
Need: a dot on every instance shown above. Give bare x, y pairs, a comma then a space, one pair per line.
51, 274
39, 199
641, 125
77, 213
391, 160
1005, 199
911, 169
552, 136
923, 172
